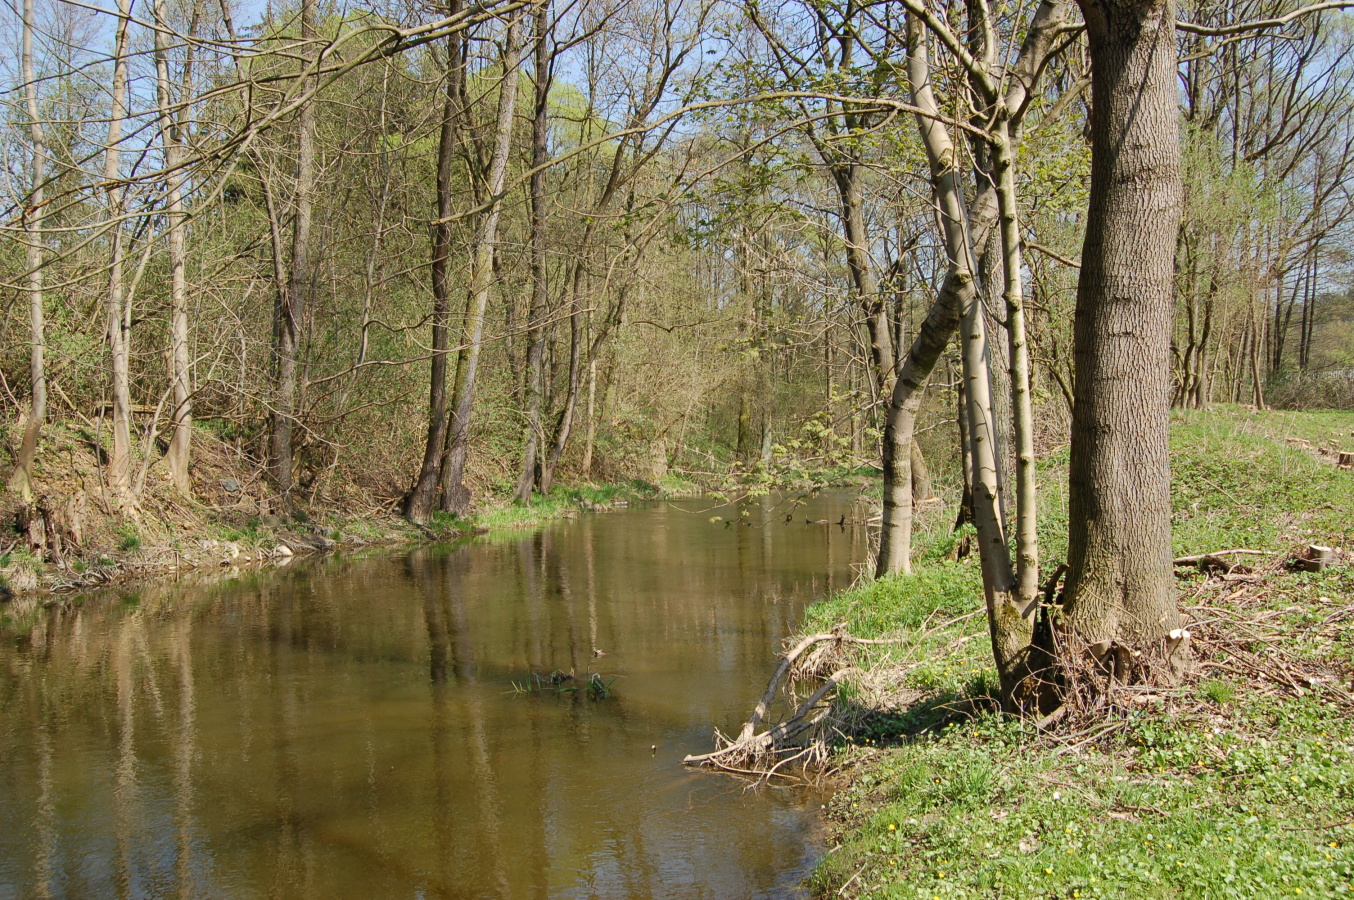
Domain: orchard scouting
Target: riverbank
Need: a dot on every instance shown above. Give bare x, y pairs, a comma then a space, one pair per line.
1238, 783
73, 537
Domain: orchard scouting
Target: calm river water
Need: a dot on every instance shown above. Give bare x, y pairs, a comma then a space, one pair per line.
349, 729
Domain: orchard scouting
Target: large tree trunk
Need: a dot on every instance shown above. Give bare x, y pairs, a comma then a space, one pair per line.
119, 314
422, 497
295, 300
21, 479
540, 288
455, 495
1119, 585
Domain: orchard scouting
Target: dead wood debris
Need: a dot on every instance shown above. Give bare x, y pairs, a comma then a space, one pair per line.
1230, 630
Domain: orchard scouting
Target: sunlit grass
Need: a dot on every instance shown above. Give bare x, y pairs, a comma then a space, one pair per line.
1231, 790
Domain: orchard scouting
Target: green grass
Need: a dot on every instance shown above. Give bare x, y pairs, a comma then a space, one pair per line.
1252, 808
1229, 788
129, 538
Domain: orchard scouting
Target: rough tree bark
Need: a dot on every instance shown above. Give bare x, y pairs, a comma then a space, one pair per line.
21, 479
1119, 586
455, 495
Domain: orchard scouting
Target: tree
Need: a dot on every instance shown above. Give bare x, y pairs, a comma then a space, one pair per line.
455, 495
294, 299
118, 305
172, 126
21, 479
421, 499
1119, 586
964, 229
542, 76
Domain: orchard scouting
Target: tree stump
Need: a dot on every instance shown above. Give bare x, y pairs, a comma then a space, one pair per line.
1315, 558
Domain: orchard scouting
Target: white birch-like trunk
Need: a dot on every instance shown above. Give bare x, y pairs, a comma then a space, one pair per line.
21, 479
118, 311
171, 139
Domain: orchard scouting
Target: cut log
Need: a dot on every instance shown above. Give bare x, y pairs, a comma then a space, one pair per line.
1346, 459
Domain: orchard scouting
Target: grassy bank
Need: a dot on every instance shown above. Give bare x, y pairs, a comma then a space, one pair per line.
1240, 783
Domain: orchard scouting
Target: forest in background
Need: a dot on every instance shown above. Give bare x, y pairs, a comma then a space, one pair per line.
403, 256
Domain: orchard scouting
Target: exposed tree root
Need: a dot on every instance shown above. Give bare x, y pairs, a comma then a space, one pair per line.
1096, 684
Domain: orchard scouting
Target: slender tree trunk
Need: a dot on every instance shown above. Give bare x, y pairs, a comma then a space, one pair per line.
943, 317
921, 474
1022, 407
295, 300
848, 178
181, 415
591, 438
1119, 585
566, 415
1202, 364
540, 288
1257, 380
21, 479
119, 315
991, 287
455, 495
422, 497
895, 541
1009, 631
964, 515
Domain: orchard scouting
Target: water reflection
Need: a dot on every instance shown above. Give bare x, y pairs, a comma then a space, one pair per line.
352, 729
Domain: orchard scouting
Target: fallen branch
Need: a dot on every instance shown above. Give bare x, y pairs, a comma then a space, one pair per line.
787, 661
1194, 560
773, 740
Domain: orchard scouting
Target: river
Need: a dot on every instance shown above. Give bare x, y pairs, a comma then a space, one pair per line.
368, 726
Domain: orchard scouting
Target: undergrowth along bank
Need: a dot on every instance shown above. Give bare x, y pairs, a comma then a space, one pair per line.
72, 537
1238, 783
